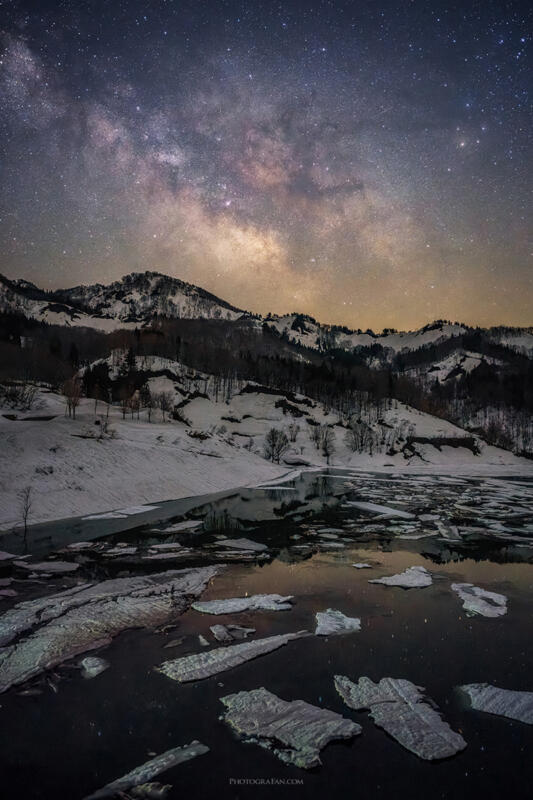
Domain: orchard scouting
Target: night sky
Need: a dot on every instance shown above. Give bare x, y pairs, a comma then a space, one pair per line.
368, 163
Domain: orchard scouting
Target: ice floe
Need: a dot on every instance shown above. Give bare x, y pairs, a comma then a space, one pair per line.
144, 773
89, 616
375, 508
411, 578
243, 544
230, 633
92, 666
480, 601
54, 567
234, 605
331, 622
401, 709
202, 665
294, 731
504, 702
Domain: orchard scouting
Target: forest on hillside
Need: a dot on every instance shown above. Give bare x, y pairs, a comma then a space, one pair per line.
494, 399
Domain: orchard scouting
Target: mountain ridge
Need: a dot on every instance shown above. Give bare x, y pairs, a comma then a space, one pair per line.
140, 297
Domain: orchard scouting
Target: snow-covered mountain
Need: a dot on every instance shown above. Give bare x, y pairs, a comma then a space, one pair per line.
130, 302
22, 297
459, 363
142, 295
138, 298
306, 331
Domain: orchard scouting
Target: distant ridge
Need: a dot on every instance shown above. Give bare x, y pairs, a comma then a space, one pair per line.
140, 297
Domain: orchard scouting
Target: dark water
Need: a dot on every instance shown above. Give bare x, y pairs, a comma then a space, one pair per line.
68, 744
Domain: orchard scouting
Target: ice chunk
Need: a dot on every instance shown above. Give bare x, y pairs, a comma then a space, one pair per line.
87, 617
81, 545
412, 578
186, 525
256, 602
228, 633
374, 508
333, 622
202, 665
504, 702
150, 791
401, 709
50, 567
243, 544
93, 666
480, 601
295, 731
144, 773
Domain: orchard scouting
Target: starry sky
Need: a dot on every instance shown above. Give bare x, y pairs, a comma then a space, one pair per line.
367, 163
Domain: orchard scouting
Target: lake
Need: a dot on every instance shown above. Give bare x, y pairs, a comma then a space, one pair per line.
77, 735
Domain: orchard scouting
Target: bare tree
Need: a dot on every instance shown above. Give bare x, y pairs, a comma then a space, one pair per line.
134, 404
124, 403
361, 438
327, 442
294, 430
147, 400
353, 437
165, 402
71, 390
21, 394
315, 434
25, 497
98, 394
276, 444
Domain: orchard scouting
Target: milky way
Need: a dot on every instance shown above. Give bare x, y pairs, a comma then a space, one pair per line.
367, 163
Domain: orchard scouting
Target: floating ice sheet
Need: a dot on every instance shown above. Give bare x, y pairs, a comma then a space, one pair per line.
480, 601
504, 702
54, 567
93, 666
243, 544
401, 709
412, 578
331, 622
202, 665
144, 773
295, 731
374, 508
89, 616
234, 605
230, 633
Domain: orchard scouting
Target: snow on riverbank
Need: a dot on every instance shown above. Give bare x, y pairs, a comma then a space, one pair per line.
74, 473
145, 463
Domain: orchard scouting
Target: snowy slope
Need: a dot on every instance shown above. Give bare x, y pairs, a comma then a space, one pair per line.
309, 333
519, 339
459, 363
145, 462
215, 445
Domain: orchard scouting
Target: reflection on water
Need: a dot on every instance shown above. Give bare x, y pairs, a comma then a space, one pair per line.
306, 495
462, 530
